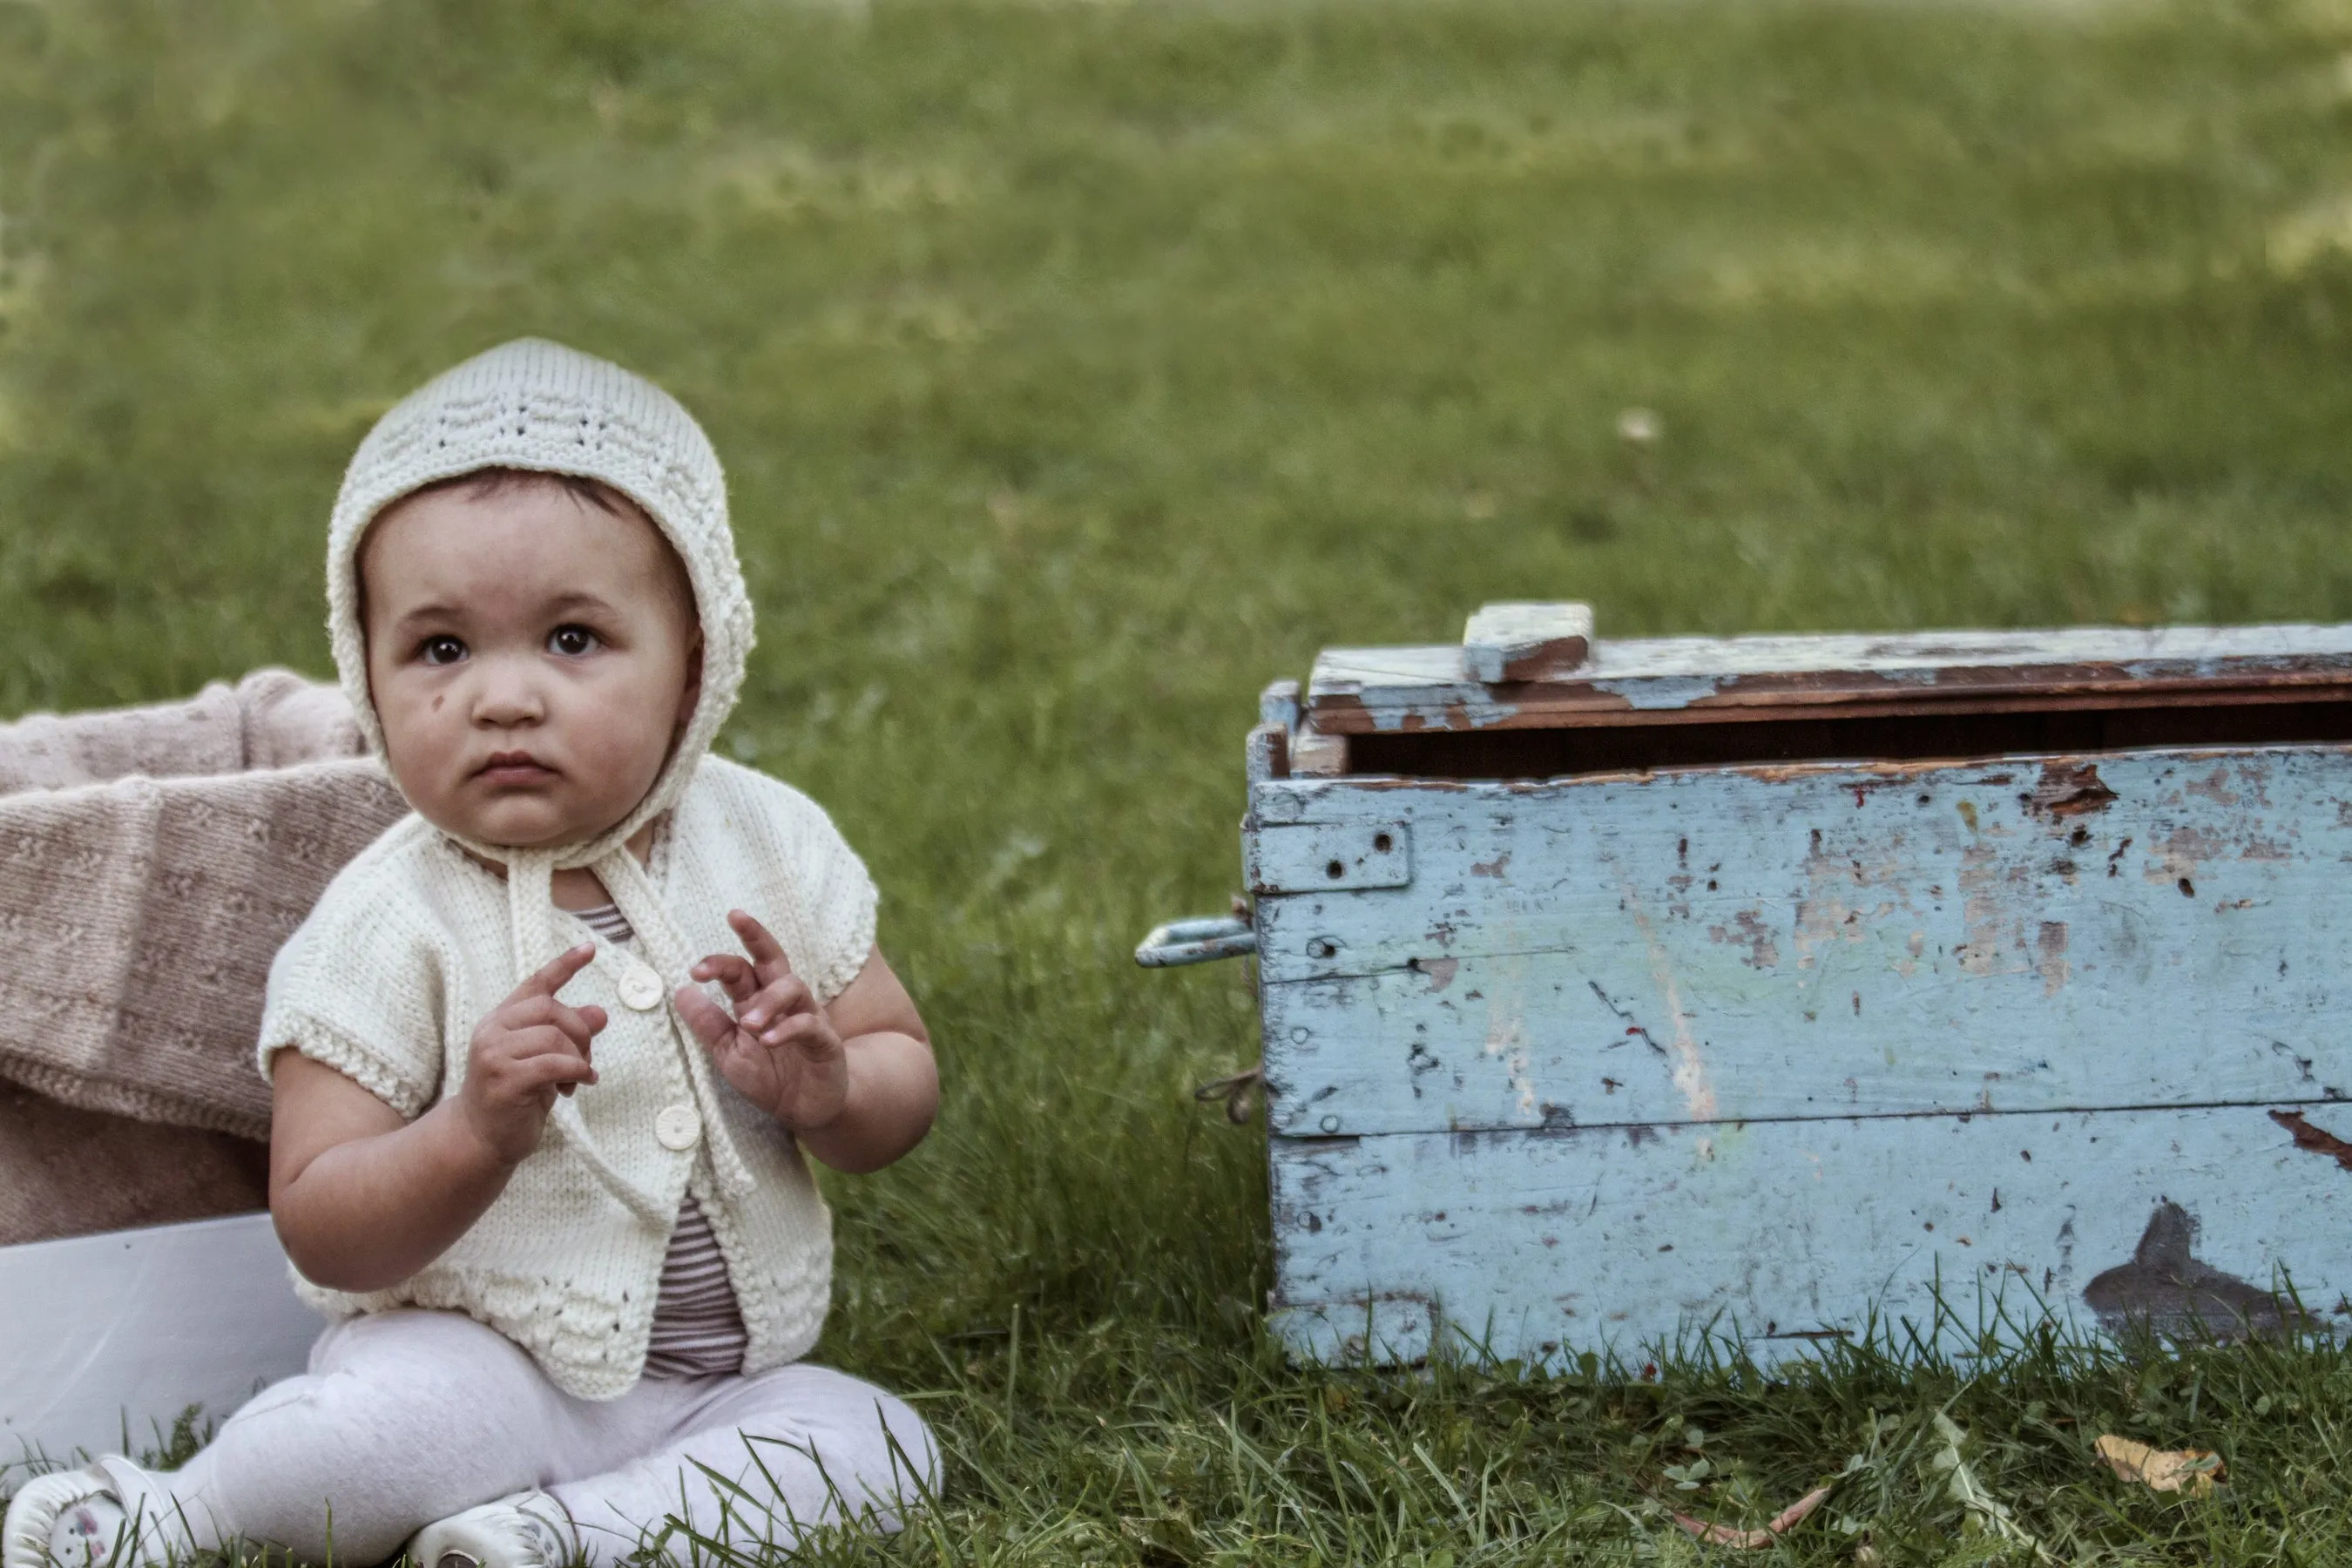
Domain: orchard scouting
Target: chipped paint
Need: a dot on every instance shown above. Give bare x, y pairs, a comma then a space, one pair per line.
2069, 790
1986, 904
1660, 694
2050, 957
2215, 788
2316, 1140
1507, 1030
1826, 914
2182, 853
1469, 712
1752, 934
1689, 1067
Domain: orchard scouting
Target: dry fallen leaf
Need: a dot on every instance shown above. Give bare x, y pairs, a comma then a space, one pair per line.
1788, 1518
2192, 1471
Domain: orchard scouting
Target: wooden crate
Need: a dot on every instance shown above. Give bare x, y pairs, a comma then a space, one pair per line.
1752, 987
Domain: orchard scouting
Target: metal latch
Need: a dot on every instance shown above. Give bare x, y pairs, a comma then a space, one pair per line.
1199, 941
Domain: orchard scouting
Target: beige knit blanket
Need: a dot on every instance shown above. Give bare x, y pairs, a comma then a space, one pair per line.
152, 861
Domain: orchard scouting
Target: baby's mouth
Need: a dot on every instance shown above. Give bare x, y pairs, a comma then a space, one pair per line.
507, 768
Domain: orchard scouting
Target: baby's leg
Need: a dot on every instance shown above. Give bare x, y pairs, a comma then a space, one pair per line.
831, 1449
402, 1417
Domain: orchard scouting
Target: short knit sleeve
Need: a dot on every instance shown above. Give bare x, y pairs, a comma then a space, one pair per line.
841, 901
358, 986
804, 855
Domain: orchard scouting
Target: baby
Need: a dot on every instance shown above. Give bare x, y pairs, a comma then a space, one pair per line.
550, 1186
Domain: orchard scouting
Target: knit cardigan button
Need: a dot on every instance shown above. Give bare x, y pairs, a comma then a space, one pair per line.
641, 988
679, 1127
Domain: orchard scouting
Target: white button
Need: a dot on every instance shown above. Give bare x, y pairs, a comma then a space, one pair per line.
678, 1127
641, 988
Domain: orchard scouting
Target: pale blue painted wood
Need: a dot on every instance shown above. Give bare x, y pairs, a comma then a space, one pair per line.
1717, 944
1330, 858
1540, 1245
1525, 641
1387, 1330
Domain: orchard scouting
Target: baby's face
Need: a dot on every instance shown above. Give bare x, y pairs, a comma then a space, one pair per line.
532, 658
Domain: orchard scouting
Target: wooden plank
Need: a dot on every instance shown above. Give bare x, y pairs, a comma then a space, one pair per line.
1525, 641
1278, 704
1531, 867
1265, 753
1663, 679
1313, 753
1533, 1040
116, 1333
2145, 928
1545, 1243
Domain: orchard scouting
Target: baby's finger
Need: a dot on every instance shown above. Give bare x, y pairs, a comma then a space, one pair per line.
548, 1064
767, 954
806, 1032
778, 999
731, 972
553, 975
544, 1039
575, 1023
559, 1071
531, 1011
710, 1023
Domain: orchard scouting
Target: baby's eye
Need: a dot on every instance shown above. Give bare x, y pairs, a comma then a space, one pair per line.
441, 650
573, 641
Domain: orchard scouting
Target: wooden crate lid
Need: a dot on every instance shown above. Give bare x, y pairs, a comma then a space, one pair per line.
1652, 680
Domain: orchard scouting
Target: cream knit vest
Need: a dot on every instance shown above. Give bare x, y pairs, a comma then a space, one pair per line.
405, 952
568, 1269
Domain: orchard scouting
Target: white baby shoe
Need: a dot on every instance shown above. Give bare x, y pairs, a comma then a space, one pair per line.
87, 1534
528, 1530
70, 1518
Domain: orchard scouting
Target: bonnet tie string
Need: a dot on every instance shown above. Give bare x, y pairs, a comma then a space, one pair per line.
530, 903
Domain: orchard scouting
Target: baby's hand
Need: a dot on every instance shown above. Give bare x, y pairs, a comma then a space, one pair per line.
780, 1048
530, 1049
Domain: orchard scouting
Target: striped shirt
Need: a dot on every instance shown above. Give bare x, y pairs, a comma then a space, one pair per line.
698, 1326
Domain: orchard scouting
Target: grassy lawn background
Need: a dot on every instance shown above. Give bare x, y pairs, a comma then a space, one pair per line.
1079, 368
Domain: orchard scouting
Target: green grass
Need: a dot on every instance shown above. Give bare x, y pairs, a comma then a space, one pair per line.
1079, 368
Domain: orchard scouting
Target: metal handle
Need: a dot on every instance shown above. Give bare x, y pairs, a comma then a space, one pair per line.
1196, 941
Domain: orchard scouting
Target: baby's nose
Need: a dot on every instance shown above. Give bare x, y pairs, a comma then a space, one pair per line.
504, 701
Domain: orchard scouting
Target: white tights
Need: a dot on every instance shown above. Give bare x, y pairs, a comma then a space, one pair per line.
407, 1418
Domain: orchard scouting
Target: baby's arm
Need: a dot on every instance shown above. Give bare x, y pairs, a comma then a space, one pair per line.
853, 1081
363, 1199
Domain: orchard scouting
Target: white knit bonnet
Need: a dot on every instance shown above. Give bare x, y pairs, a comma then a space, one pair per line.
538, 405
